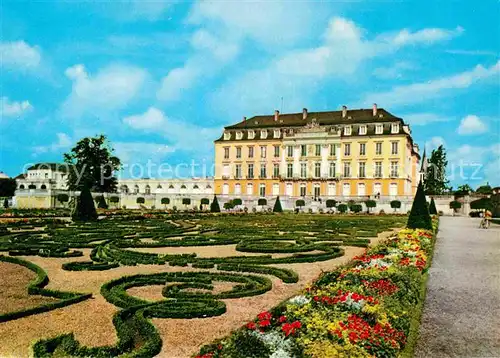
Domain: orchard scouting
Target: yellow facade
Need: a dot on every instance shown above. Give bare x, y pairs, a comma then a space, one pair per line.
326, 154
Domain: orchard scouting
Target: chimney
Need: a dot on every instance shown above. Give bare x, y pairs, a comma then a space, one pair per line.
344, 111
276, 115
374, 109
244, 119
304, 113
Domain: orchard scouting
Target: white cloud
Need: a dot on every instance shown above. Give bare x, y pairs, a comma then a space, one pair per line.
420, 119
182, 135
63, 142
475, 163
177, 81
472, 52
112, 88
425, 36
10, 108
420, 92
471, 124
396, 71
139, 152
19, 55
434, 143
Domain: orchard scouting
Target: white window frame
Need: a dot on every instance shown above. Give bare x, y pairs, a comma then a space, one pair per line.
227, 135
394, 128
239, 135
277, 133
379, 128
347, 130
251, 134
362, 130
263, 134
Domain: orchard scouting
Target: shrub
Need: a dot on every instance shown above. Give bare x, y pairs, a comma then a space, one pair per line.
455, 205
186, 201
114, 199
262, 202
370, 204
140, 200
205, 201
228, 205
479, 204
62, 198
237, 202
85, 209
356, 208
214, 207
277, 206
432, 207
419, 215
342, 208
165, 201
101, 203
6, 203
331, 203
395, 204
300, 203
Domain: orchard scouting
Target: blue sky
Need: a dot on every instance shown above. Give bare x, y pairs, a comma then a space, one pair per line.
161, 79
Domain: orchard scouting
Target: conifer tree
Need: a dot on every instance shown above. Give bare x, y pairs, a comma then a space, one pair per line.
419, 215
432, 207
214, 207
85, 209
101, 204
277, 206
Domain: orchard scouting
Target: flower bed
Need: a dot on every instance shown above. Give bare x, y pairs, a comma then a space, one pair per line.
369, 307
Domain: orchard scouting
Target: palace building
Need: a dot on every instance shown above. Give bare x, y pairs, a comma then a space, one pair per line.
346, 153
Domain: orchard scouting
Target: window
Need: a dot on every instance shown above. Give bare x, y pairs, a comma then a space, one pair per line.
394, 169
263, 151
277, 133
379, 129
347, 149
237, 188
333, 170
289, 189
250, 171
347, 130
276, 189
239, 135
394, 147
238, 171
289, 170
250, 152
361, 189
362, 130
377, 188
393, 189
225, 189
238, 152
362, 170
303, 170
147, 190
276, 151
318, 150
276, 170
378, 169
317, 190
262, 189
347, 170
249, 189
226, 152
395, 128
332, 189
263, 170
302, 190
317, 170
226, 171
333, 150
346, 189
378, 148
251, 134
303, 150
227, 135
289, 150
263, 134
46, 175
362, 148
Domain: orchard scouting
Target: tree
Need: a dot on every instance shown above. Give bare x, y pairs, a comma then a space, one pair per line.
419, 215
165, 201
140, 200
432, 208
7, 187
6, 203
300, 203
262, 202
356, 208
214, 207
435, 179
205, 201
277, 206
463, 190
480, 204
114, 199
92, 165
229, 205
370, 204
186, 201
62, 198
101, 203
84, 209
484, 189
342, 208
455, 205
237, 201
331, 203
395, 204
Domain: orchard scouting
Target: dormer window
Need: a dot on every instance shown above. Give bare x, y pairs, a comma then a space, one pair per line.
347, 130
362, 130
395, 128
277, 133
227, 135
239, 135
251, 134
379, 129
263, 134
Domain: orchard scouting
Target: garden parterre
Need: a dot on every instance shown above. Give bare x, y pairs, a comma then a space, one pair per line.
282, 239
368, 308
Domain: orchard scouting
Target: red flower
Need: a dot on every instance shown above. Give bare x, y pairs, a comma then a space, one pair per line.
296, 324
265, 323
264, 316
219, 347
282, 319
251, 325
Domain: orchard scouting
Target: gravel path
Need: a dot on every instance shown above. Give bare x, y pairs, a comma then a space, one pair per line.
462, 310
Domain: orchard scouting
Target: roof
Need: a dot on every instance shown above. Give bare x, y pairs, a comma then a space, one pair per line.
3, 176
322, 118
61, 167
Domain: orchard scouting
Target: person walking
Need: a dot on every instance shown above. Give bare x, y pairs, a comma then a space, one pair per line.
487, 218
